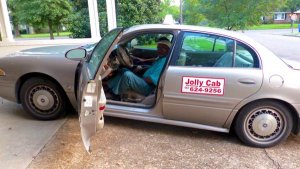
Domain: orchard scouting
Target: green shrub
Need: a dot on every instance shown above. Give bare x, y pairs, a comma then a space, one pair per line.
79, 24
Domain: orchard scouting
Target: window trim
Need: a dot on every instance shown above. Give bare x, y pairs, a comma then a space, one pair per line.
256, 60
180, 38
234, 54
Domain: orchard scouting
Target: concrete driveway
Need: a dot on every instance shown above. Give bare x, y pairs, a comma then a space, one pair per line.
22, 137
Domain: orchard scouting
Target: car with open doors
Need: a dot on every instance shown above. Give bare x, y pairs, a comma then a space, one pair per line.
211, 79
208, 79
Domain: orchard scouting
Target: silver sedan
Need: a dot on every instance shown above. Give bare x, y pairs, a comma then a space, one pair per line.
211, 79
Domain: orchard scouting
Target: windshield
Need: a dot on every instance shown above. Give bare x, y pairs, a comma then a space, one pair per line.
101, 49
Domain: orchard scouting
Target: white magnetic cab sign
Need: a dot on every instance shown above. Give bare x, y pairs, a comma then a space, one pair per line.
203, 85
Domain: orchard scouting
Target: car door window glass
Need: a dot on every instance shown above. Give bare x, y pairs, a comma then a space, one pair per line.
245, 57
144, 45
101, 49
205, 50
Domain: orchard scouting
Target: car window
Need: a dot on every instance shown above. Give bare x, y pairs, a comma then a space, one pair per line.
144, 46
101, 49
205, 50
147, 41
245, 57
202, 43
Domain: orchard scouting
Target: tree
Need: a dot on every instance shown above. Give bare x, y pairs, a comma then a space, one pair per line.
134, 12
78, 21
129, 13
46, 12
102, 17
292, 5
14, 8
79, 24
192, 12
237, 14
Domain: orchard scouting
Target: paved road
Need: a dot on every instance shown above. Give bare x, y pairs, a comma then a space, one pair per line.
282, 46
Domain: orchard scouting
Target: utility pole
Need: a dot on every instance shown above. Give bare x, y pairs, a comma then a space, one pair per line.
180, 19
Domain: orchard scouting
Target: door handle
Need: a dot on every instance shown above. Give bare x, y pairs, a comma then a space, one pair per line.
246, 81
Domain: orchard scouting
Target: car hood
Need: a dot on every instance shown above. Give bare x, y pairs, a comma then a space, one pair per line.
292, 63
49, 50
37, 59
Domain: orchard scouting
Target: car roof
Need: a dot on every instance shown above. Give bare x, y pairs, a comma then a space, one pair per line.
237, 35
180, 27
232, 34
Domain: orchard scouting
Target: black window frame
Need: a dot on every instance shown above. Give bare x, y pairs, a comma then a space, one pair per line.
180, 40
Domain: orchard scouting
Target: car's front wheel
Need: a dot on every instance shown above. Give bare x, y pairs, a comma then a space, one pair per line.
42, 99
264, 124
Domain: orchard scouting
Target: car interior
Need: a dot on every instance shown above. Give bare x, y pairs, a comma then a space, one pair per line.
137, 55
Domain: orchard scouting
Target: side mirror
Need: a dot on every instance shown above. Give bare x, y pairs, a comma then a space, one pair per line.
76, 54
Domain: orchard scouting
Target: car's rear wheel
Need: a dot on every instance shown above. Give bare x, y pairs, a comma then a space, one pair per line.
264, 124
42, 99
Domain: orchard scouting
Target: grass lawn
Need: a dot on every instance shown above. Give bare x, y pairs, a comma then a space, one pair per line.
200, 44
273, 26
204, 44
44, 35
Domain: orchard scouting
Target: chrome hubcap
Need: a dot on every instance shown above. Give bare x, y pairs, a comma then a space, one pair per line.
43, 99
264, 124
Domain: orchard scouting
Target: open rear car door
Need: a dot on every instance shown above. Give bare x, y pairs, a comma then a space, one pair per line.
90, 94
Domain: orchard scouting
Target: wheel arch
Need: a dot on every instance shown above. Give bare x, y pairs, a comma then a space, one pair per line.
28, 76
292, 110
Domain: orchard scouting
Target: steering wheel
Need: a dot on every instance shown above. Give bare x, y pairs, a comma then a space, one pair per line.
123, 57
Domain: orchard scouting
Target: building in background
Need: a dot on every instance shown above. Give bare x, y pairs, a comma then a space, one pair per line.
280, 17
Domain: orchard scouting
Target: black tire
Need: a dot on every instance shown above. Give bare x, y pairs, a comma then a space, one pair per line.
43, 99
263, 124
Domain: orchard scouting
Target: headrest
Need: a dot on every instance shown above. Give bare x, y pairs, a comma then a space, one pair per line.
164, 42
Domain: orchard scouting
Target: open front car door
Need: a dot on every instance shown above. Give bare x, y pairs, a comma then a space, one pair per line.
91, 96
91, 119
